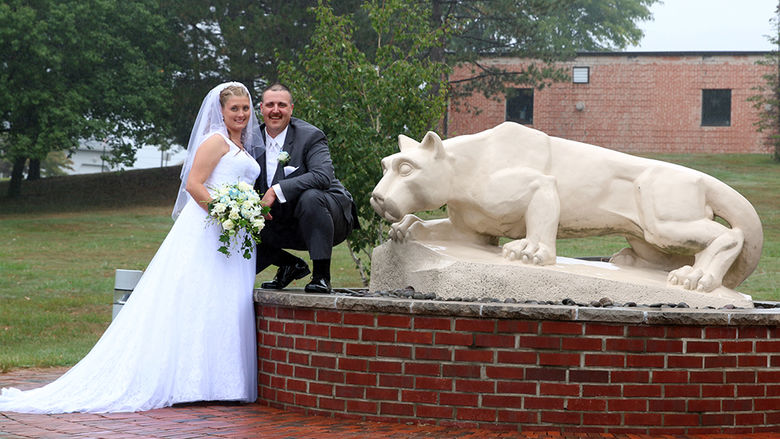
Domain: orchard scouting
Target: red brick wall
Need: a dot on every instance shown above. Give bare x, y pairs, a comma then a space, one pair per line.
508, 374
637, 103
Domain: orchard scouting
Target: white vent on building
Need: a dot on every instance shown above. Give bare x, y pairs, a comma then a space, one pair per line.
580, 75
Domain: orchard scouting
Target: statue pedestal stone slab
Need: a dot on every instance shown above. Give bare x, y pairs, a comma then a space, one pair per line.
470, 271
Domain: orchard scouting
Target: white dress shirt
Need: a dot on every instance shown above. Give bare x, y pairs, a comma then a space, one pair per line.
273, 147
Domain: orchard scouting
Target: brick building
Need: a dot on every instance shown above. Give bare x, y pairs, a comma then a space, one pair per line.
635, 102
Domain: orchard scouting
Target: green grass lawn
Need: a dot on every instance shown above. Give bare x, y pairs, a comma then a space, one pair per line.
62, 243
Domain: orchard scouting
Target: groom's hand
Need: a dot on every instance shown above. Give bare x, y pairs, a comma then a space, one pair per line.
269, 197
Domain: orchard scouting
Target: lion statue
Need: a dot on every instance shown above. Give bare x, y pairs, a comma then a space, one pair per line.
516, 182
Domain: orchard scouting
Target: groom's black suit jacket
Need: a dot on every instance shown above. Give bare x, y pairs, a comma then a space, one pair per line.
309, 154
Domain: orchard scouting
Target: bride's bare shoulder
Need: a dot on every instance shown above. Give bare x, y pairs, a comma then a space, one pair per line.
215, 143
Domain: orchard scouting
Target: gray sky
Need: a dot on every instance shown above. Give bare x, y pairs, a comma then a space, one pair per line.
708, 25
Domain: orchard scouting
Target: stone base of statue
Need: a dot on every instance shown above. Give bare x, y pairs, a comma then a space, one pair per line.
474, 272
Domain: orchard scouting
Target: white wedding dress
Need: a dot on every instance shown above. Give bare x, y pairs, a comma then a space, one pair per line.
187, 332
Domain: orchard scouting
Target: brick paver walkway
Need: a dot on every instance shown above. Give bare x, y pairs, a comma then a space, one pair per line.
237, 421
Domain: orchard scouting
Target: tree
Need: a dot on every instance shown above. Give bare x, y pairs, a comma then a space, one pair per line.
79, 69
55, 164
364, 101
238, 40
767, 101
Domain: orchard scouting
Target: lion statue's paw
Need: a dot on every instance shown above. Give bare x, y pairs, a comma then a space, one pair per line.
402, 230
692, 278
529, 252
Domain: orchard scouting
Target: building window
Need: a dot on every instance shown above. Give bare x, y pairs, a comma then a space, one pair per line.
520, 105
716, 108
580, 75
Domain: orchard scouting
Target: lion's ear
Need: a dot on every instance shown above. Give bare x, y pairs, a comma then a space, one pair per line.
405, 143
432, 142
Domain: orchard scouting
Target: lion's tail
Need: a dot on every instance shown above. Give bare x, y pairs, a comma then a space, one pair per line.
735, 209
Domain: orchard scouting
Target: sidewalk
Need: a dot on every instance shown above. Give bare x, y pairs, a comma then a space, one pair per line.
239, 421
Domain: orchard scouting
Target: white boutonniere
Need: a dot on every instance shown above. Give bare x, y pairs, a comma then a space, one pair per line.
284, 157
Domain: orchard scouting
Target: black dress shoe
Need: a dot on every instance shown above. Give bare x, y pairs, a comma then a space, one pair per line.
286, 274
320, 286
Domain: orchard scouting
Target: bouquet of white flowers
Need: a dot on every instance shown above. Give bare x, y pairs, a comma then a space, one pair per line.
237, 207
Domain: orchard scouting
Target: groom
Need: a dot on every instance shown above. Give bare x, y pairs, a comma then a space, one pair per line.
310, 209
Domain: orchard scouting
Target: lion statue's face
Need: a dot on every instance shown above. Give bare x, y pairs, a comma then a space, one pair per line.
415, 179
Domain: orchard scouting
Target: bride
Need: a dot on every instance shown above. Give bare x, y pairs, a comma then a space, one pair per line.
187, 332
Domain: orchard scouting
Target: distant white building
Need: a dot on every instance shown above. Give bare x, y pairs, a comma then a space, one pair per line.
88, 158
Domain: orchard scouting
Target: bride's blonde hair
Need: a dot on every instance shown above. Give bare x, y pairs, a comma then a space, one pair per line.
231, 90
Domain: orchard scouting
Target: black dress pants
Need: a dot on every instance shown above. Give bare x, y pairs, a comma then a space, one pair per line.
316, 223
